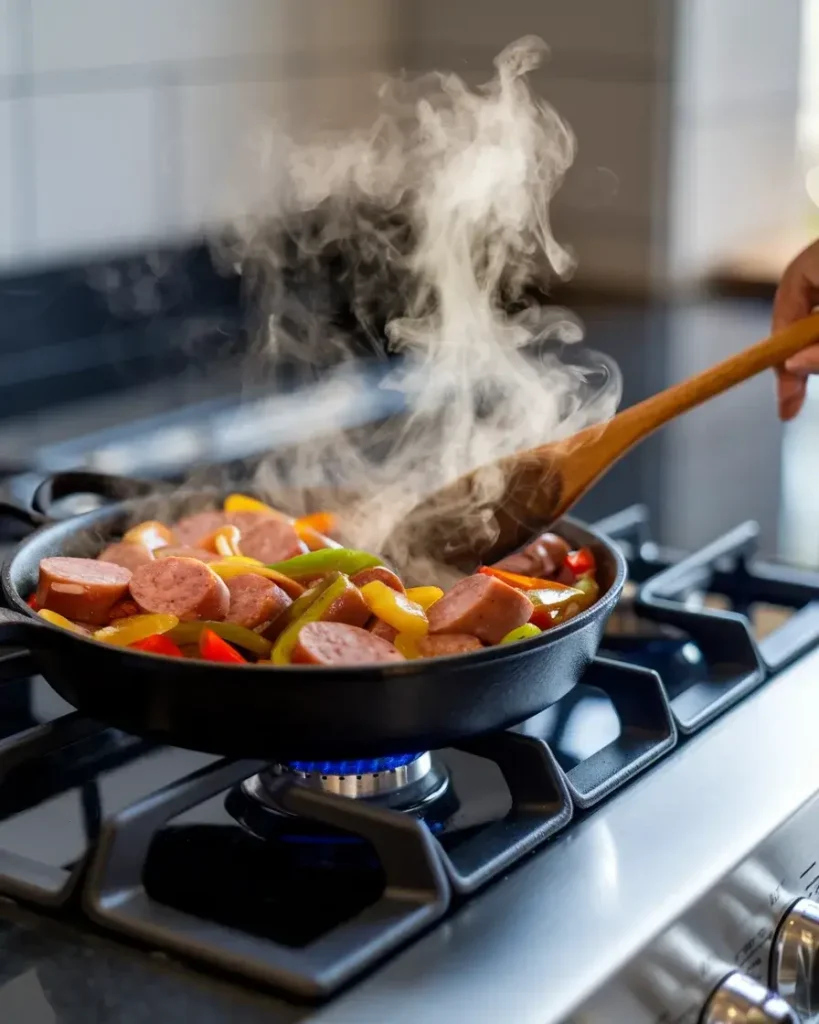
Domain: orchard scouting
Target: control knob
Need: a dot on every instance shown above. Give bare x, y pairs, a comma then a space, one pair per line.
795, 959
739, 999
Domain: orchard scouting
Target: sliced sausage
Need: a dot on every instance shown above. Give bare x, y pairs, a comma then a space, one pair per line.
192, 528
336, 643
255, 601
349, 607
81, 589
271, 540
380, 573
124, 609
542, 558
481, 606
182, 587
383, 629
198, 553
128, 555
245, 521
443, 644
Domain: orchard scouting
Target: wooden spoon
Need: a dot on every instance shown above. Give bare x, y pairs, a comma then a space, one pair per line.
542, 484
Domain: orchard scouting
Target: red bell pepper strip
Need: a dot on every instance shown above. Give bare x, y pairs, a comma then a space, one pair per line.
581, 562
522, 582
214, 648
31, 601
158, 644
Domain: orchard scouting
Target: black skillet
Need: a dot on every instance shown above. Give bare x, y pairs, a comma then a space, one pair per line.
287, 713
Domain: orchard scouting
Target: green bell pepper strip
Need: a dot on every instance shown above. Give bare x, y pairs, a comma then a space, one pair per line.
283, 647
189, 633
525, 632
317, 563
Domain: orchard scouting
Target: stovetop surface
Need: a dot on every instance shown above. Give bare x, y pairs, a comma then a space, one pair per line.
344, 913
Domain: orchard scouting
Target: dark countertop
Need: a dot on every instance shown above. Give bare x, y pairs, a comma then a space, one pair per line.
52, 974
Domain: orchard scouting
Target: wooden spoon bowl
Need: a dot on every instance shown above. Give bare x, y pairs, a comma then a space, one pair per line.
540, 485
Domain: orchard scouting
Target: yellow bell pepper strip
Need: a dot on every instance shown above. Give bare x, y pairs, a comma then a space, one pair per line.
519, 582
407, 645
240, 560
525, 632
283, 647
555, 606
317, 563
397, 610
244, 503
125, 632
214, 648
189, 633
60, 620
150, 534
425, 596
224, 541
228, 568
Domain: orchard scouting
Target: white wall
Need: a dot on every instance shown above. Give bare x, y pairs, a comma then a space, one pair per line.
126, 122
734, 146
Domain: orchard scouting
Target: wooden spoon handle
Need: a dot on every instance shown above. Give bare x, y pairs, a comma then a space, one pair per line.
642, 419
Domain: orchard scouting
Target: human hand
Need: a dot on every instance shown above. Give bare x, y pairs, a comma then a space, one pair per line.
796, 297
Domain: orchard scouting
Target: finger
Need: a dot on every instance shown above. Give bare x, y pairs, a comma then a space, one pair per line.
791, 390
798, 291
804, 362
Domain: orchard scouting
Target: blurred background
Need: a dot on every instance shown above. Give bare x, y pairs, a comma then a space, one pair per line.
126, 134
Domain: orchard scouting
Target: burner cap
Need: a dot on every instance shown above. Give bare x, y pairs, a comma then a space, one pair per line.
376, 777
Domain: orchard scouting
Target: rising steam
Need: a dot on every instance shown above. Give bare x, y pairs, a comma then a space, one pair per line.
433, 227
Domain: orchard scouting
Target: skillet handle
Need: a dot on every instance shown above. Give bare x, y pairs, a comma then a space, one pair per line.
18, 630
24, 516
103, 485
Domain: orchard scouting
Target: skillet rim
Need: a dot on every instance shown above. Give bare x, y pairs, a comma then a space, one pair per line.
75, 524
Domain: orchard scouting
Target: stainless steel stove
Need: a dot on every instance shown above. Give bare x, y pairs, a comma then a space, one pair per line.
646, 850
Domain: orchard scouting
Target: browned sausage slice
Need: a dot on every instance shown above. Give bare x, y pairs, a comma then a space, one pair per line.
271, 540
542, 558
336, 643
129, 556
380, 573
245, 521
124, 609
193, 528
481, 606
254, 601
383, 629
81, 589
442, 644
349, 607
183, 552
182, 587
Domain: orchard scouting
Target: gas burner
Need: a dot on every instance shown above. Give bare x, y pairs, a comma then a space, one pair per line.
360, 780
406, 782
411, 783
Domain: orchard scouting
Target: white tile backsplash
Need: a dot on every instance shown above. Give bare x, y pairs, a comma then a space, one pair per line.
734, 181
7, 192
9, 38
228, 153
84, 34
95, 170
